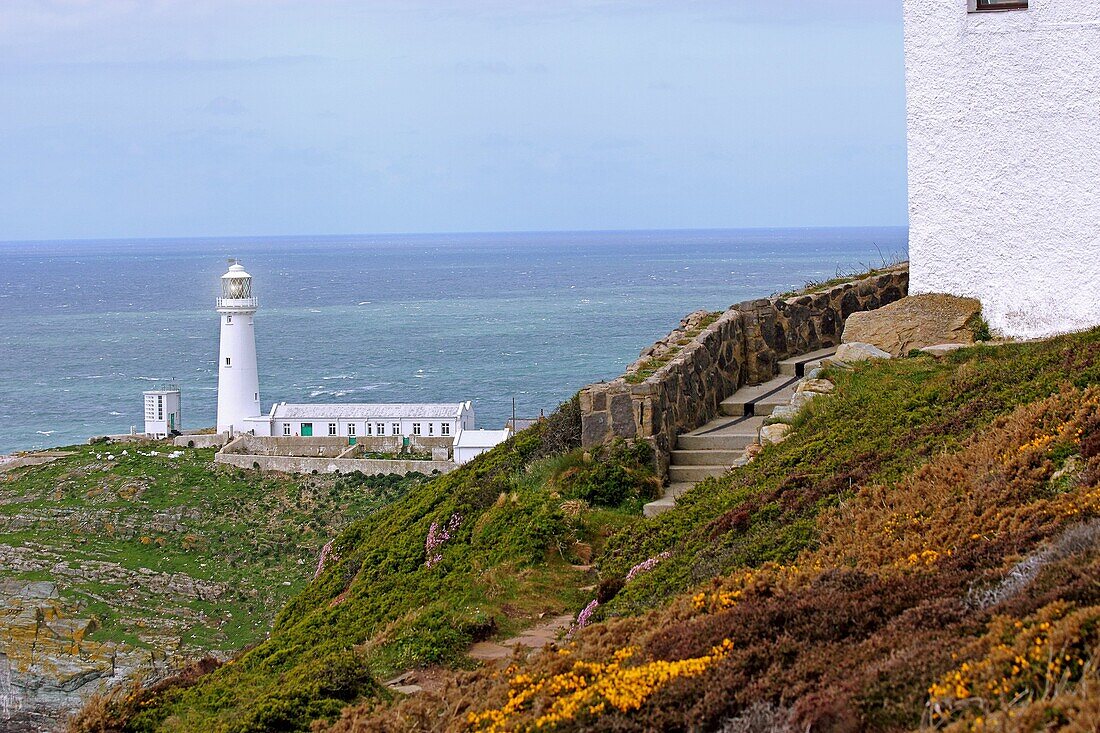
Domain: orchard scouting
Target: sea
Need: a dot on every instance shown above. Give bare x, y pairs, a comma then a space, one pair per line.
499, 319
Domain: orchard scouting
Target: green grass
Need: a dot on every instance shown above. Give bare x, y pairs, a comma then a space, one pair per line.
254, 535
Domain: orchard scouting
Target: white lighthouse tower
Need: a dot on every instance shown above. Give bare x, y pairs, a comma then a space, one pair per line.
238, 378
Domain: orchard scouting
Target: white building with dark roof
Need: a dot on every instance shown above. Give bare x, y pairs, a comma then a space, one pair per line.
366, 420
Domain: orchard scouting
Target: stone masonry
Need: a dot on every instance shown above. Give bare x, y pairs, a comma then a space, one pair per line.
678, 383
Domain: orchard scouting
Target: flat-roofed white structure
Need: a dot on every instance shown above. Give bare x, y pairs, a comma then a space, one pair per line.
472, 443
1003, 104
163, 413
367, 420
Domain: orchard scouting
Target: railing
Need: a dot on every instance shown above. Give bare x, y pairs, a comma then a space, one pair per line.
244, 303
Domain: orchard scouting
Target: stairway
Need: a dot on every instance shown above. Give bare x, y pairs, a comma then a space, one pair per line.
718, 446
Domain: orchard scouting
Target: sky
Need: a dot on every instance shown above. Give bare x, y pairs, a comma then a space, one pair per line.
173, 118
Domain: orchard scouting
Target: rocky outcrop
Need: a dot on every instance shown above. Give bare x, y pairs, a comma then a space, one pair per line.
915, 322
47, 665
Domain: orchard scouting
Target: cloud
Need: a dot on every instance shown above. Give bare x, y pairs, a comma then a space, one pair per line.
224, 106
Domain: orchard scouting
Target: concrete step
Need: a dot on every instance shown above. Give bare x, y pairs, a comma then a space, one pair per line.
675, 490
666, 502
717, 441
678, 474
705, 457
760, 399
722, 434
660, 506
797, 366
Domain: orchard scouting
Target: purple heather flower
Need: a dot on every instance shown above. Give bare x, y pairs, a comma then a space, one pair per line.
437, 535
326, 551
646, 565
584, 617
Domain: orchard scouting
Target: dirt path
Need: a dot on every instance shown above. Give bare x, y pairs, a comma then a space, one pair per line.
536, 637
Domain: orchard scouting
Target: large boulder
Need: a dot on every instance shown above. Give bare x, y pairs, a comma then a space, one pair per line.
914, 323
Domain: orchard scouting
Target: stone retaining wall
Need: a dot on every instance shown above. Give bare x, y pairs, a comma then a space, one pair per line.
201, 440
678, 383
298, 464
328, 447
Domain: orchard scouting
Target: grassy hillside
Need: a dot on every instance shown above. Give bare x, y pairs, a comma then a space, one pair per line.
924, 550
164, 550
516, 526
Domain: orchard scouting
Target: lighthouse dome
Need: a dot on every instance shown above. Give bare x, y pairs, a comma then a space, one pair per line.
236, 288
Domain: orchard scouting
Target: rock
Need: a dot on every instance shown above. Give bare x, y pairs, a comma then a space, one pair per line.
776, 433
819, 386
914, 323
858, 351
1071, 468
781, 414
801, 399
753, 450
943, 349
48, 667
815, 373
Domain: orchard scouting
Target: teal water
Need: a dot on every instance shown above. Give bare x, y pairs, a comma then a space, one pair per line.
88, 325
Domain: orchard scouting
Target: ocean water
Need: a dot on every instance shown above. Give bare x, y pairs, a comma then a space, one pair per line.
85, 326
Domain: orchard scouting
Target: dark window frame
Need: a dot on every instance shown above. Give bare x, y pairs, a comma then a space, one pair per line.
988, 6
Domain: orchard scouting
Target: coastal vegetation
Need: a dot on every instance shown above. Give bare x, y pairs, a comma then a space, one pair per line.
161, 549
922, 551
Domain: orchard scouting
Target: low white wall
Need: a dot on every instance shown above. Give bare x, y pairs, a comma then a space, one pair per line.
297, 464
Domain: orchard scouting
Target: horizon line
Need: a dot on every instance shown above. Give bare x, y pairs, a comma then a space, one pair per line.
453, 233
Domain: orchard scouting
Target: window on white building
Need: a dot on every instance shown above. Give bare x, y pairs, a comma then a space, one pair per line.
998, 5
351, 429
416, 428
445, 429
286, 428
396, 428
382, 428
369, 428
332, 428
431, 428
227, 361
229, 319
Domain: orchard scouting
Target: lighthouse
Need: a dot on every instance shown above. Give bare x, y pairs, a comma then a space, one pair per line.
238, 379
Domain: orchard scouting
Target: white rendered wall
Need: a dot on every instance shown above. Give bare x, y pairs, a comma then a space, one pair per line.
1004, 160
239, 382
160, 422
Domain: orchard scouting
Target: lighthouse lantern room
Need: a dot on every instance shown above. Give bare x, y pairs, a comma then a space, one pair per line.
238, 378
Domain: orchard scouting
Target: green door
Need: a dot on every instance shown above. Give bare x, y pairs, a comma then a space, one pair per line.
351, 440
307, 430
